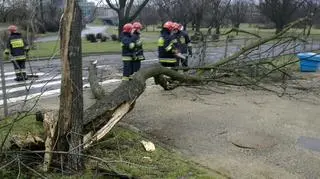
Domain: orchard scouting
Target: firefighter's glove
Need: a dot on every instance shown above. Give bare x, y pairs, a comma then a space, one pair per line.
6, 54
139, 43
175, 51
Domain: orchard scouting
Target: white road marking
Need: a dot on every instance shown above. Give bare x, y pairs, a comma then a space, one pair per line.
34, 81
13, 77
28, 82
151, 60
50, 92
33, 86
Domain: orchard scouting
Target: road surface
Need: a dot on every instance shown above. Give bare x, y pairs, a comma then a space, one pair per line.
109, 70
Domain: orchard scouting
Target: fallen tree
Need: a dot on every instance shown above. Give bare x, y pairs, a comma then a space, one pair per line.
110, 108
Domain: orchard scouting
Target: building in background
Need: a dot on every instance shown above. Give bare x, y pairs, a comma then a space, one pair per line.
107, 15
87, 8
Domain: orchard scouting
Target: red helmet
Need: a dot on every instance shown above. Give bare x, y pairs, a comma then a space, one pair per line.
127, 27
12, 28
175, 26
168, 25
137, 25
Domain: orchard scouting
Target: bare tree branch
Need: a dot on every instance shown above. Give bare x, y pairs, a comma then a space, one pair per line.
112, 6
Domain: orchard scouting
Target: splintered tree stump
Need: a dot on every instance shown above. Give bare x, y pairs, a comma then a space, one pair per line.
96, 88
51, 132
110, 109
29, 142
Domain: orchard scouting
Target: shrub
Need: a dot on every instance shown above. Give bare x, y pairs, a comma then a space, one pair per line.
103, 38
91, 37
99, 35
114, 37
87, 37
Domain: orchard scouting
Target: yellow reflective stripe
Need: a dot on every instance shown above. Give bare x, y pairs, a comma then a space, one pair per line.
131, 45
167, 60
17, 43
125, 78
21, 57
139, 43
126, 58
189, 45
140, 57
161, 42
170, 46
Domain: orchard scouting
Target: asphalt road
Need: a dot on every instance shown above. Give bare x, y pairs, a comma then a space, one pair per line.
110, 68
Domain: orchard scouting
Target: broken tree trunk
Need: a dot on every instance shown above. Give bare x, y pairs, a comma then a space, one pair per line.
70, 125
105, 113
50, 120
96, 89
100, 118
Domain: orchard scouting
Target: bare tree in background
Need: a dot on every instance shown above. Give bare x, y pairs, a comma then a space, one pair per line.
174, 10
43, 15
197, 10
148, 16
237, 12
125, 11
280, 12
217, 13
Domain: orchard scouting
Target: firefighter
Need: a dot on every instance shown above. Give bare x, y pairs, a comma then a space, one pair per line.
166, 49
128, 51
139, 56
18, 48
183, 44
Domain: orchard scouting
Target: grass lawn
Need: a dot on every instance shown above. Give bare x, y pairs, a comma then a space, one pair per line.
48, 49
121, 146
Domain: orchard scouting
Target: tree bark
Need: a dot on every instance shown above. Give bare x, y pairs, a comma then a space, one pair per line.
71, 99
124, 97
50, 128
96, 89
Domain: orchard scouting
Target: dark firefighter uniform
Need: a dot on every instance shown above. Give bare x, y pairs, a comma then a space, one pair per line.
18, 49
183, 44
166, 49
139, 47
130, 64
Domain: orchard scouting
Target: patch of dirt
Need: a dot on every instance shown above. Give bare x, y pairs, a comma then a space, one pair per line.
199, 122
